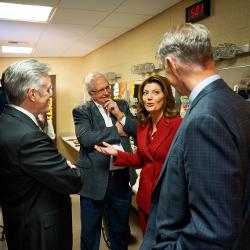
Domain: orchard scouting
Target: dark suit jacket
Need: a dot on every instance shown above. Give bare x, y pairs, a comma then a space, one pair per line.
35, 184
3, 99
202, 198
150, 157
90, 131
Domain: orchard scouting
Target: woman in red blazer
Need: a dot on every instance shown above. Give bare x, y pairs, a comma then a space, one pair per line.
158, 125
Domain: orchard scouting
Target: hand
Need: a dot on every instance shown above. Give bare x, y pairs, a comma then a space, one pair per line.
71, 165
120, 130
112, 107
107, 150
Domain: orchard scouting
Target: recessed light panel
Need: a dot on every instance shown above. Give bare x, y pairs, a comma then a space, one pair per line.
19, 50
22, 12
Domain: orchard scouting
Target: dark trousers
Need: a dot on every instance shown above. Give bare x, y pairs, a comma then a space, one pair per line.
117, 202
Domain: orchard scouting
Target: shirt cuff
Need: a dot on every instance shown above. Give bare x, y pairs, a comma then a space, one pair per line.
123, 120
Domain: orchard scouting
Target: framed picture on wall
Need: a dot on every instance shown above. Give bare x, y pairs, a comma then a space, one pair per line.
133, 95
51, 115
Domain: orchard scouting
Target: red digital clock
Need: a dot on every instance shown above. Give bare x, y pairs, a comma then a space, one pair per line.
198, 11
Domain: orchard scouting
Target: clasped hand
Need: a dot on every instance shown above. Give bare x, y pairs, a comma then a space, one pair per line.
112, 107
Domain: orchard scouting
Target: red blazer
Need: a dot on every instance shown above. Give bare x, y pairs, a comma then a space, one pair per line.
150, 157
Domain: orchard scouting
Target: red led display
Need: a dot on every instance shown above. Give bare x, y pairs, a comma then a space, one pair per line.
198, 11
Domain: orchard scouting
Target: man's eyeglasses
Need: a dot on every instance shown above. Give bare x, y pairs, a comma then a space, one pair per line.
101, 91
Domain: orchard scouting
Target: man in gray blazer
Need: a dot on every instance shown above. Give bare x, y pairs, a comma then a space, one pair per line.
202, 198
35, 180
105, 186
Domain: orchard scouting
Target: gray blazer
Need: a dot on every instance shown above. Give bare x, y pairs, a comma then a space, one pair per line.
91, 130
202, 198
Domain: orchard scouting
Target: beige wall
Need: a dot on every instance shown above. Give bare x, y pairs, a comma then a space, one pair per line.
229, 22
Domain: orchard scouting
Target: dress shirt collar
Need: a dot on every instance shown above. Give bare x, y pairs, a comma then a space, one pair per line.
105, 115
202, 85
99, 106
26, 112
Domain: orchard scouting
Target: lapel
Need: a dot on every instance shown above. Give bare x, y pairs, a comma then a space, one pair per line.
20, 116
216, 85
143, 135
164, 128
113, 119
96, 114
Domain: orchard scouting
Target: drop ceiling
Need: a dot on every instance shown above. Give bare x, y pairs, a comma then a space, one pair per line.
78, 27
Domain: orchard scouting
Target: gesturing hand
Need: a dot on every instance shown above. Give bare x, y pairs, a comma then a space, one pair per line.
107, 150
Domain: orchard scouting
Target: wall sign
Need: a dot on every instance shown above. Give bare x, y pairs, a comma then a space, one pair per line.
198, 11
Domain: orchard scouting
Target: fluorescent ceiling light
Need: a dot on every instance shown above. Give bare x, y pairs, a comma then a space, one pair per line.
19, 50
22, 12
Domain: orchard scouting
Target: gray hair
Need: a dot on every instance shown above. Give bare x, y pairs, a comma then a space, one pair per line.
90, 77
188, 43
20, 76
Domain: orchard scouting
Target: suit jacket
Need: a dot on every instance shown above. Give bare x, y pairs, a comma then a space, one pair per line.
91, 130
3, 99
202, 198
35, 183
150, 157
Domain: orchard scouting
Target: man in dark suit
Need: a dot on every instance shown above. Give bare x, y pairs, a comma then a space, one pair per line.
3, 96
105, 186
202, 198
35, 180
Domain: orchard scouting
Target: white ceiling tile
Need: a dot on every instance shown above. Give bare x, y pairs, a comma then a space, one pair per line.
80, 17
97, 5
70, 31
85, 46
125, 20
52, 47
106, 32
21, 31
145, 7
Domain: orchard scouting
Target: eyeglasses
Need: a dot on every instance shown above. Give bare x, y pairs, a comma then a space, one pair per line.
101, 91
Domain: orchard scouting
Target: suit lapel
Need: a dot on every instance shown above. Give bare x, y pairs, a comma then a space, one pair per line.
95, 112
216, 85
163, 130
113, 119
143, 138
20, 116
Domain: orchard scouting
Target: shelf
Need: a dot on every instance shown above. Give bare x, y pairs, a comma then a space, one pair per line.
233, 75
70, 141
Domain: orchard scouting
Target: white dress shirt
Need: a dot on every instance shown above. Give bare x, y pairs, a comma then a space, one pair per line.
26, 112
108, 123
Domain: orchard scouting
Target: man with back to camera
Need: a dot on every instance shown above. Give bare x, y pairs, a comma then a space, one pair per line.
3, 97
105, 186
35, 180
202, 198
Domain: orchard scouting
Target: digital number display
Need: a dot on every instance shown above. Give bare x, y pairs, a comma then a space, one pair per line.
198, 11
